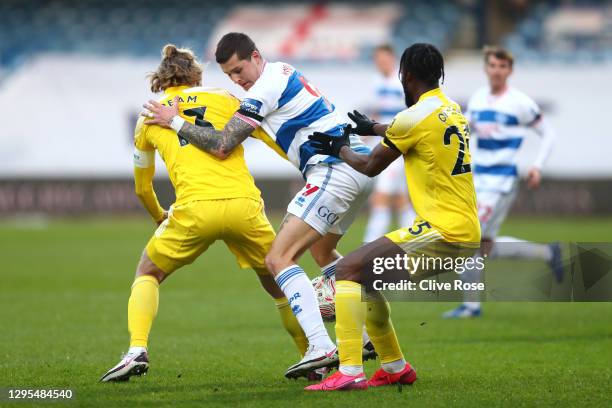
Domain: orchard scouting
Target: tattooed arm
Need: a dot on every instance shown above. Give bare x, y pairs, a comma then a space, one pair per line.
219, 143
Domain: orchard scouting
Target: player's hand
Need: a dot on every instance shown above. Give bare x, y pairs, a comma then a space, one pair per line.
365, 125
163, 218
534, 178
159, 114
330, 145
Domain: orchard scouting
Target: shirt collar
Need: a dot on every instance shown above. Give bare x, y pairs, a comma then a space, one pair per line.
429, 94
175, 89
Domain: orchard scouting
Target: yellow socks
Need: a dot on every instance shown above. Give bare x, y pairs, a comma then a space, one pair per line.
291, 324
350, 318
381, 331
142, 309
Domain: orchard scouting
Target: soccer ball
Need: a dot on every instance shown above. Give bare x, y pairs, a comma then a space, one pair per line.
325, 289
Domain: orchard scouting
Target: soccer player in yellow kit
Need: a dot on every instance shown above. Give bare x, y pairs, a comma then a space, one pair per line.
215, 200
432, 135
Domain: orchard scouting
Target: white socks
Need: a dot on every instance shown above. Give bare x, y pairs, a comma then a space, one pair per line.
510, 247
297, 288
394, 367
329, 270
351, 370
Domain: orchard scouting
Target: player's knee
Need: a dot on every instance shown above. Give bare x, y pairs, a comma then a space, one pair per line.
274, 263
147, 267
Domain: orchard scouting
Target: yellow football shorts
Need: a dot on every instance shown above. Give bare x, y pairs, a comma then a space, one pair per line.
192, 227
423, 240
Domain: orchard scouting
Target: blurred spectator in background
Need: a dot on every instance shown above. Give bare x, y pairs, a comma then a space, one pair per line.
390, 192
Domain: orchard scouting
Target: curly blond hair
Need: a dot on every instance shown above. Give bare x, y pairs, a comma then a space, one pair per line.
179, 66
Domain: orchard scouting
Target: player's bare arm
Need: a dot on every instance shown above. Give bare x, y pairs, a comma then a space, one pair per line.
220, 143
339, 146
370, 164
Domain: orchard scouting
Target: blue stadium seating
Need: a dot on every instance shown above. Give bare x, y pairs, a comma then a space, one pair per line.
142, 27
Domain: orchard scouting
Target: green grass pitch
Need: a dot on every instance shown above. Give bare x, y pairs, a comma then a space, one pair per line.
217, 340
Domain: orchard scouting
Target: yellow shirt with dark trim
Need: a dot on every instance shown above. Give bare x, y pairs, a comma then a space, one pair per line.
195, 174
433, 137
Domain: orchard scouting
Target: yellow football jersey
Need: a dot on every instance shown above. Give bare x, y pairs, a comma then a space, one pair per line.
195, 174
433, 137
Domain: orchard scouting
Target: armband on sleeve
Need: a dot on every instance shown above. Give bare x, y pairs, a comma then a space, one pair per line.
144, 158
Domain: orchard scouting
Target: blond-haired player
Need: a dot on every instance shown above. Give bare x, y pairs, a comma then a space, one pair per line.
280, 100
215, 200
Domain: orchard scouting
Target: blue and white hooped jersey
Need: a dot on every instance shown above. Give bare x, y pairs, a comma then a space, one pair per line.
290, 109
498, 126
389, 99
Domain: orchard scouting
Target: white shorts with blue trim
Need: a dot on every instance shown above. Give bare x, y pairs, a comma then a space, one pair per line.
332, 197
493, 208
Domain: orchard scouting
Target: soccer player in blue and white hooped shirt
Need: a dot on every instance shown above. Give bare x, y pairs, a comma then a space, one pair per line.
500, 117
288, 108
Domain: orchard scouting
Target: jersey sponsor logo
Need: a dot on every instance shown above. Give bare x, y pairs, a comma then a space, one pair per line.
327, 215
251, 105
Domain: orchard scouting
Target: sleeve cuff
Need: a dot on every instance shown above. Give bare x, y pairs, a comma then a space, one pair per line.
177, 123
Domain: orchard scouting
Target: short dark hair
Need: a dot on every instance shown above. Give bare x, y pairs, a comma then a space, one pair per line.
425, 62
385, 48
499, 53
234, 43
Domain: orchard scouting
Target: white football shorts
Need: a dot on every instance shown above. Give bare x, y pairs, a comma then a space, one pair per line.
493, 207
332, 197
